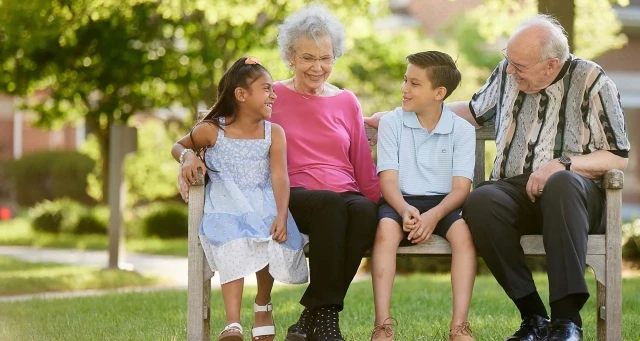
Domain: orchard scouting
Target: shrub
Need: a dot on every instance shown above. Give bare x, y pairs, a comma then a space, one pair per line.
93, 221
50, 222
50, 175
56, 216
167, 220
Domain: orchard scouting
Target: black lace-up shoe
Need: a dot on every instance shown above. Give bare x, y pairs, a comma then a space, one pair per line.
564, 330
532, 328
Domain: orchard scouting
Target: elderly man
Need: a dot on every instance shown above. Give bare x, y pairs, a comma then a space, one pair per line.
559, 128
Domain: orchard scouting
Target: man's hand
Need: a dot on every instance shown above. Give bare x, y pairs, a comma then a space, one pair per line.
279, 229
183, 187
373, 121
428, 222
539, 178
410, 218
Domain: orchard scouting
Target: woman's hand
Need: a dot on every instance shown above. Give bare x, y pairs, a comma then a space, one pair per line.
279, 229
189, 168
373, 121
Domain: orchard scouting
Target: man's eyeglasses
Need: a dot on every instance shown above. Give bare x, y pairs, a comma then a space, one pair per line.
517, 67
308, 59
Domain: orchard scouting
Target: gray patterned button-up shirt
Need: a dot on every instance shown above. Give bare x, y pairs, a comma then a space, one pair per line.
577, 114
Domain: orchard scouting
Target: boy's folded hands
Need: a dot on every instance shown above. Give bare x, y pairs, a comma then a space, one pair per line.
424, 228
410, 218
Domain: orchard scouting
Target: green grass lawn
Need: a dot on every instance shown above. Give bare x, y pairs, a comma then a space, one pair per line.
18, 232
18, 277
421, 305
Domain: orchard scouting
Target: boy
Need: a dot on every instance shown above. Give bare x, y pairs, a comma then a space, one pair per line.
425, 163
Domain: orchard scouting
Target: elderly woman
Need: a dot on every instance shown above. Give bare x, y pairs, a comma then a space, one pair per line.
334, 185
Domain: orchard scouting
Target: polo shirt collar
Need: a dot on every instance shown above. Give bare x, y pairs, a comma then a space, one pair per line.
444, 126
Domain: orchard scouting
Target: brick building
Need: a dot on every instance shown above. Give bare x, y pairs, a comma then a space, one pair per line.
19, 137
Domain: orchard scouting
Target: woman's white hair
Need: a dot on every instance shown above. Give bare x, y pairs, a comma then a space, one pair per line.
553, 36
313, 22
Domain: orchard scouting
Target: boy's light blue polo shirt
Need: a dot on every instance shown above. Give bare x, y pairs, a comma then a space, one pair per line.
426, 162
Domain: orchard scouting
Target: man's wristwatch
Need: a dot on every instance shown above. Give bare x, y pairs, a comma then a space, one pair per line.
566, 161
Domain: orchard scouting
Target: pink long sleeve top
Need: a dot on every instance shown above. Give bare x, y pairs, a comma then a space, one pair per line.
327, 148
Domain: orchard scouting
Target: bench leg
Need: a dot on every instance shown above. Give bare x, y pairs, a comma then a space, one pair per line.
613, 301
597, 263
601, 304
198, 300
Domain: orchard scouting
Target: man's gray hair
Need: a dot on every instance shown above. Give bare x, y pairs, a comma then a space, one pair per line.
312, 22
554, 38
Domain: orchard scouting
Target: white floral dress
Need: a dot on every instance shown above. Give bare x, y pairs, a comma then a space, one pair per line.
239, 210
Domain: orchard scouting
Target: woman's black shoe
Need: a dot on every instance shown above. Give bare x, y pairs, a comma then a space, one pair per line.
327, 324
303, 329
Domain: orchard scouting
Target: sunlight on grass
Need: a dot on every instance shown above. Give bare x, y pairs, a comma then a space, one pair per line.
19, 277
421, 303
18, 232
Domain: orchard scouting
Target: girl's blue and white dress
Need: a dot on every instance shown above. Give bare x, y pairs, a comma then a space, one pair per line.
239, 210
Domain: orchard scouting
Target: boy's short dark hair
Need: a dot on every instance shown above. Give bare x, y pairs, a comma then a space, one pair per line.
441, 69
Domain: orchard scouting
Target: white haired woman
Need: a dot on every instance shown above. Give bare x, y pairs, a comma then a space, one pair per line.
334, 186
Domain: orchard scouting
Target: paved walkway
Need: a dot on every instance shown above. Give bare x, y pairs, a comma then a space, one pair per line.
174, 269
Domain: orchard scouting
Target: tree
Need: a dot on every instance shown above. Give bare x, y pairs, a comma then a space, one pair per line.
564, 11
95, 62
482, 30
105, 62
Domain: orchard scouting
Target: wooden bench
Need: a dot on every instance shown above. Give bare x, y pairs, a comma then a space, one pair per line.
604, 256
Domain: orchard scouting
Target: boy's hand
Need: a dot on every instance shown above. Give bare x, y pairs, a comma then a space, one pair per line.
410, 218
426, 226
279, 229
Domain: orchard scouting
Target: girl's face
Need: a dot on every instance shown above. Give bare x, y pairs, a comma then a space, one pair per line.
259, 98
312, 62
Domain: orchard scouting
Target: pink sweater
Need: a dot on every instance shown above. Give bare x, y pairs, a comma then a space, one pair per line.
327, 148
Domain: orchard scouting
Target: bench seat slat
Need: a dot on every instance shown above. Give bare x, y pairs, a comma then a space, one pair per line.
531, 244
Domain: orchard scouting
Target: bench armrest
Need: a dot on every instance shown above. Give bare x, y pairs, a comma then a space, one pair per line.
613, 179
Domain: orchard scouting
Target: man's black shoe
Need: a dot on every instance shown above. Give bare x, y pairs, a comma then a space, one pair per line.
532, 328
564, 330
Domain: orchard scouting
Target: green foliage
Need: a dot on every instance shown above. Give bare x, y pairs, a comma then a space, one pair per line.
56, 216
150, 173
631, 240
167, 220
482, 32
50, 175
94, 220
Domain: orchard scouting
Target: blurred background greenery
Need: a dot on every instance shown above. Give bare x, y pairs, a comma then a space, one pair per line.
153, 64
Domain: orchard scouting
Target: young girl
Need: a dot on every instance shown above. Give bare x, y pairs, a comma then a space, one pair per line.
246, 226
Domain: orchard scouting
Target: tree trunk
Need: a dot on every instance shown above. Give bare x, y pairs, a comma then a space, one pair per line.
564, 11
